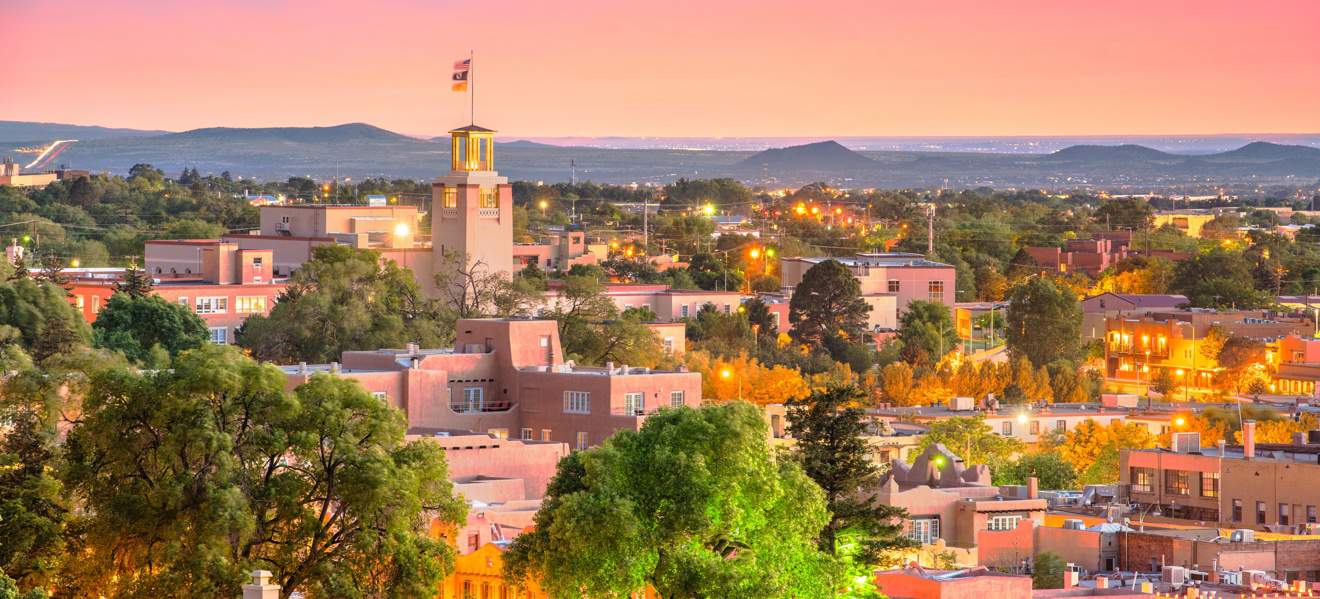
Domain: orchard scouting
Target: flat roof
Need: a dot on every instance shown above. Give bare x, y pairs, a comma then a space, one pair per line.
885, 260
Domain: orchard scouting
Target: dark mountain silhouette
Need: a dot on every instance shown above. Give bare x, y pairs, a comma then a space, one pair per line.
517, 143
1264, 150
24, 131
333, 134
823, 156
1125, 152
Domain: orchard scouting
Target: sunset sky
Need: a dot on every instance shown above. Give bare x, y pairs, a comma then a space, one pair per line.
670, 68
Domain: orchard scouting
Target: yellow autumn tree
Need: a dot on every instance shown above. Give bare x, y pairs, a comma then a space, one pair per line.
895, 384
725, 379
1093, 449
1280, 430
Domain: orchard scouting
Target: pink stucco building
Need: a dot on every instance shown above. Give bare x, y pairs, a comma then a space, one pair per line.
668, 304
508, 378
889, 281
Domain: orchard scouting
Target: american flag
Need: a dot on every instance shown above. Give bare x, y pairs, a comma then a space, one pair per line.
463, 65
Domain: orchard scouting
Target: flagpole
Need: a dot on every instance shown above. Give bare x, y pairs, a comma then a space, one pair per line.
472, 88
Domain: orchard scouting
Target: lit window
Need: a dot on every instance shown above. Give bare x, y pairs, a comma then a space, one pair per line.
450, 195
80, 301
212, 305
1143, 480
676, 399
250, 305
219, 335
1177, 482
488, 198
1209, 484
577, 402
545, 434
581, 441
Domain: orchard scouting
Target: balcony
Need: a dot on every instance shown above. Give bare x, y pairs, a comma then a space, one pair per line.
488, 212
485, 407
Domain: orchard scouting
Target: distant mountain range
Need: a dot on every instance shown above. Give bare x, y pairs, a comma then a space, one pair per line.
362, 150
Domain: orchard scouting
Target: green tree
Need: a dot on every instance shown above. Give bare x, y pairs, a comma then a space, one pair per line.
344, 299
829, 429
1132, 214
1044, 321
1219, 278
696, 505
39, 318
141, 327
1047, 467
971, 439
927, 333
1047, 571
136, 282
192, 476
828, 302
9, 590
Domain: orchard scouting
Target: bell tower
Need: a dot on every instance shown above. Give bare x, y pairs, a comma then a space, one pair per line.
472, 206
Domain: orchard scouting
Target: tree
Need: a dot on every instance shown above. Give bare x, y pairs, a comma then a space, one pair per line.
33, 508
344, 299
1047, 467
696, 505
9, 590
971, 439
927, 333
742, 377
896, 383
827, 302
473, 290
192, 476
1044, 322
829, 431
136, 282
1132, 214
1093, 449
1047, 571
141, 326
39, 318
592, 330
1219, 278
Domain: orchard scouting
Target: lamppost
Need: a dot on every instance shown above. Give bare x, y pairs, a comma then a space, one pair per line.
726, 374
543, 205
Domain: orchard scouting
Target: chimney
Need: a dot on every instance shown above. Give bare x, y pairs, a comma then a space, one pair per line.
1249, 439
1069, 577
261, 587
1033, 487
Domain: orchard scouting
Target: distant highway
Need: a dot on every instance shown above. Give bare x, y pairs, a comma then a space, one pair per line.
50, 153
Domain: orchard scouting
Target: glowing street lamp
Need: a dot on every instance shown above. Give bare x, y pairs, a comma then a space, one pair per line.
401, 230
727, 374
543, 205
1180, 422
74, 263
708, 210
754, 253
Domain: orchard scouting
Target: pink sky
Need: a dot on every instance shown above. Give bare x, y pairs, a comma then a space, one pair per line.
671, 67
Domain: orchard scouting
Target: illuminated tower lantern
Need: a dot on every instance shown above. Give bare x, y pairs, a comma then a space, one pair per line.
472, 206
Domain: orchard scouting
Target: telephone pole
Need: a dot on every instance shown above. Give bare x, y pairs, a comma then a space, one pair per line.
930, 230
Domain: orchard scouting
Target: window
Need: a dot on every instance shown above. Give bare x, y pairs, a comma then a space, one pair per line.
935, 291
474, 541
183, 301
284, 219
634, 403
474, 399
924, 530
525, 434
498, 433
676, 399
1006, 428
1209, 484
545, 434
379, 396
728, 308
1310, 514
669, 345
1285, 514
1260, 512
1003, 522
257, 263
1035, 427
683, 311
577, 402
96, 304
79, 301
219, 335
1237, 510
894, 285
450, 196
488, 199
1176, 482
1143, 480
545, 341
468, 593
250, 304
212, 305
1061, 425
581, 441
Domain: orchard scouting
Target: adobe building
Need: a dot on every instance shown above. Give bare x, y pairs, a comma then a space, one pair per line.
559, 250
508, 378
1098, 308
889, 282
222, 283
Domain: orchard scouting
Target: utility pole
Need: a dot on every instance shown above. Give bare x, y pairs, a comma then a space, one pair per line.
646, 228
930, 230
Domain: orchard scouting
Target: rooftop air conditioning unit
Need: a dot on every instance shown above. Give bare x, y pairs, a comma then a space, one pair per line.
1174, 575
1073, 524
1186, 442
1242, 535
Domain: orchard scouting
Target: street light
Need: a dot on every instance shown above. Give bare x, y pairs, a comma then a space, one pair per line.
726, 374
401, 230
543, 205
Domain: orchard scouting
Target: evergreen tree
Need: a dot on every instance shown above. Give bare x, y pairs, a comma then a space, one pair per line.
139, 327
52, 271
830, 433
1044, 321
827, 302
136, 282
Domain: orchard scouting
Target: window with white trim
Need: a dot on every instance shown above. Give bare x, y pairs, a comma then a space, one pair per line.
894, 285
935, 291
669, 345
683, 311
379, 396
255, 304
212, 305
1002, 522
183, 301
634, 403
474, 399
676, 399
581, 441
577, 402
924, 530
219, 335
525, 434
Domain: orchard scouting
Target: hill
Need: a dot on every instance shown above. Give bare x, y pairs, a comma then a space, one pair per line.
819, 157
1119, 153
25, 131
1264, 150
308, 135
